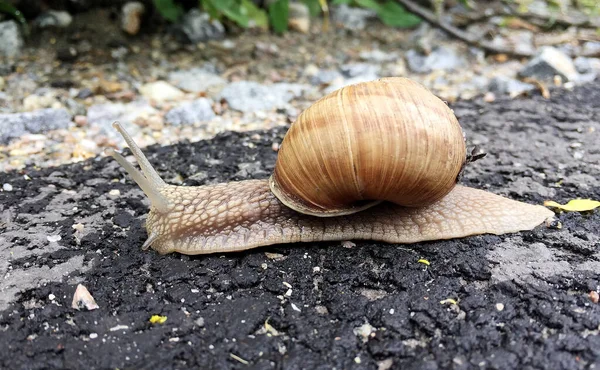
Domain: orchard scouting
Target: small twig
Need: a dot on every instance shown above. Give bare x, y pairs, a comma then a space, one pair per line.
458, 33
325, 10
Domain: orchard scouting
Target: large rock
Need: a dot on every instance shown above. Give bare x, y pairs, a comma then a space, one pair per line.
506, 85
440, 58
299, 17
54, 19
160, 91
196, 79
131, 16
13, 125
12, 41
248, 96
103, 115
189, 113
550, 62
197, 27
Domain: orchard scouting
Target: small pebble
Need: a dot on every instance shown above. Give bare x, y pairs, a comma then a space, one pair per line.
489, 97
500, 306
348, 244
53, 238
51, 297
7, 187
83, 299
594, 296
93, 335
80, 121
114, 193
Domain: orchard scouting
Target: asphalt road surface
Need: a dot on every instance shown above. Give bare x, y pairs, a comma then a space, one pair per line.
522, 300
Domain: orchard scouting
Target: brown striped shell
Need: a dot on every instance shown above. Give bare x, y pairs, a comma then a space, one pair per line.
384, 140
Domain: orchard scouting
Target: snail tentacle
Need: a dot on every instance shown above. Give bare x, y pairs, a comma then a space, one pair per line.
148, 179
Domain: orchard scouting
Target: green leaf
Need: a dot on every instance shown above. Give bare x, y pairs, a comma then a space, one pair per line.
256, 15
278, 13
340, 2
235, 12
222, 5
394, 14
369, 4
210, 9
168, 9
314, 8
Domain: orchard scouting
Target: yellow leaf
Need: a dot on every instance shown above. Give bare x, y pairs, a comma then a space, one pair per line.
424, 261
448, 301
157, 319
575, 205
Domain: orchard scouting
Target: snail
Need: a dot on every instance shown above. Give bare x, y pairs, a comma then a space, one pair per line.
377, 160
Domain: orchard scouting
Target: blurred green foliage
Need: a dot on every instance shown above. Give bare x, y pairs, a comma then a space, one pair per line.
9, 9
246, 14
168, 9
390, 12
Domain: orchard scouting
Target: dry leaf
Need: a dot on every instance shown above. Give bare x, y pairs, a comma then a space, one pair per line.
575, 205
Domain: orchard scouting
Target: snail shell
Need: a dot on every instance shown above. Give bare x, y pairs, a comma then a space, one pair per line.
389, 139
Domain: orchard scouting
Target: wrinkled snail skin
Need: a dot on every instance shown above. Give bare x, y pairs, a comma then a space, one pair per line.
243, 215
247, 214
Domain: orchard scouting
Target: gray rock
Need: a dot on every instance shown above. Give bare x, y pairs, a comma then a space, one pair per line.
506, 85
440, 58
591, 48
14, 125
75, 108
198, 27
519, 40
326, 77
350, 81
360, 69
103, 115
588, 68
247, 96
354, 19
378, 56
548, 63
583, 64
12, 41
54, 18
196, 79
189, 113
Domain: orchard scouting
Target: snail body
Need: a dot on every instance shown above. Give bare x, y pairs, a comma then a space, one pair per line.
391, 145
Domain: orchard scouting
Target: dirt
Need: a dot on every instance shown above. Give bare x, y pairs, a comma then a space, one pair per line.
521, 299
